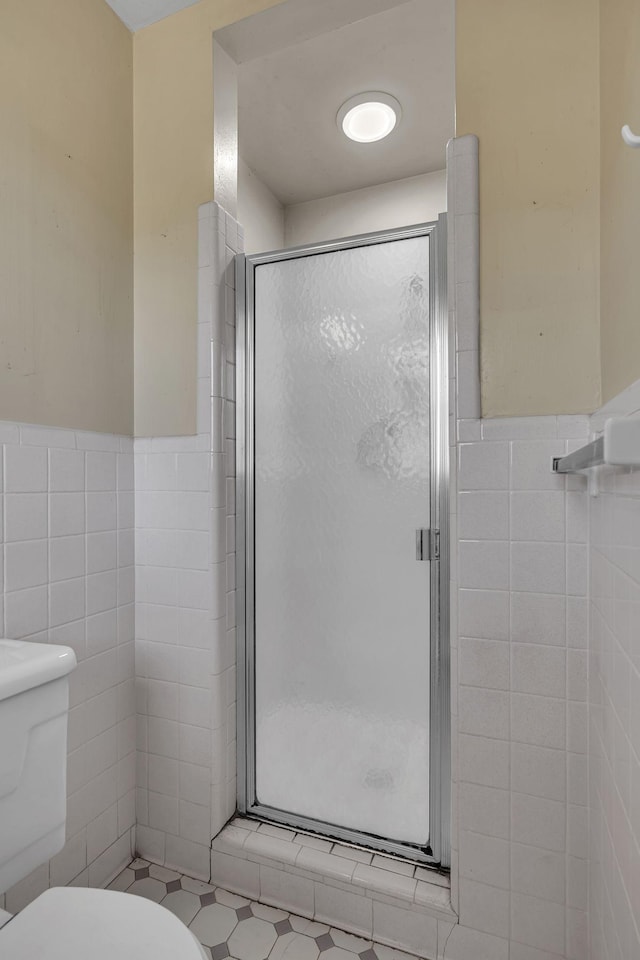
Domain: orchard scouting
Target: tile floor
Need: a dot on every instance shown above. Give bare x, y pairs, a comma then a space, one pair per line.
231, 926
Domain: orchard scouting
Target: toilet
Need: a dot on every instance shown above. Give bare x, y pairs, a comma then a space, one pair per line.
64, 923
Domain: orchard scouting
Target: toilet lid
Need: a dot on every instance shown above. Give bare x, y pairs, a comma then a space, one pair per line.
74, 923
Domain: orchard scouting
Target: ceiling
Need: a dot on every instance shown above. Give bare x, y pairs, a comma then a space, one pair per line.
140, 13
288, 102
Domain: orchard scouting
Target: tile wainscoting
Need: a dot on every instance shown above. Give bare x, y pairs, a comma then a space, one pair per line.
68, 578
519, 652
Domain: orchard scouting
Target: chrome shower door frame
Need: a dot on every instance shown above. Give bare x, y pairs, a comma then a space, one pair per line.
438, 850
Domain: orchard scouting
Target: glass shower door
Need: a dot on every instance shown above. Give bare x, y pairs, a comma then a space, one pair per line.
340, 598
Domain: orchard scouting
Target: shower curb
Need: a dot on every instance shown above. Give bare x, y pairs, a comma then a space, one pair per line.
394, 901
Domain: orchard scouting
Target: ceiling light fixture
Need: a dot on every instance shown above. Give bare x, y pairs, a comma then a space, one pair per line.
368, 117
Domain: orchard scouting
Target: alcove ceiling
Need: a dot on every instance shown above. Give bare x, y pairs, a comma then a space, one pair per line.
288, 101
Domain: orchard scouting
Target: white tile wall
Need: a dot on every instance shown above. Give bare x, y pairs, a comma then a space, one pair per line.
613, 888
520, 688
185, 598
65, 583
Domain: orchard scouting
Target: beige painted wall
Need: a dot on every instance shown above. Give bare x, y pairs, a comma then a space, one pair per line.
66, 271
527, 85
173, 174
620, 195
399, 203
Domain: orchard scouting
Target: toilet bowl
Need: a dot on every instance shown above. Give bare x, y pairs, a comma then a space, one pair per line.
64, 923
75, 923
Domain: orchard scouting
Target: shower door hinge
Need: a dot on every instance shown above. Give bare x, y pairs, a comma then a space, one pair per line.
427, 544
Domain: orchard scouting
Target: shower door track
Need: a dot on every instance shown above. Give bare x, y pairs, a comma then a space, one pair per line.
437, 851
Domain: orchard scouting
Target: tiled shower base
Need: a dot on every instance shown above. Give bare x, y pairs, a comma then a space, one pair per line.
231, 926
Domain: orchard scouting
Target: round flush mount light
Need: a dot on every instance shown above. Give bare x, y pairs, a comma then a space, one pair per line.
368, 117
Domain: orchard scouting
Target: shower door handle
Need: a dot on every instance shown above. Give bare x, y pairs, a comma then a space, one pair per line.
427, 544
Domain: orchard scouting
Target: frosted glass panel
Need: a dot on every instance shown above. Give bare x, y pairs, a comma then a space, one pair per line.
341, 485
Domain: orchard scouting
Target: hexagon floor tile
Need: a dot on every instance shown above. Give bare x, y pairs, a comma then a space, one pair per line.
234, 928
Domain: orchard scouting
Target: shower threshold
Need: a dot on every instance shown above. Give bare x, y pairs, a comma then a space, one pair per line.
368, 893
344, 836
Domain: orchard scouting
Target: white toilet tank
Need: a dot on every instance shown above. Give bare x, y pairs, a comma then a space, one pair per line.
34, 702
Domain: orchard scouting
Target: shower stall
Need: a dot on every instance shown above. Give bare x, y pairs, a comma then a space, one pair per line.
342, 542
